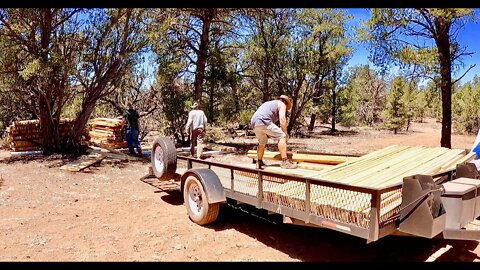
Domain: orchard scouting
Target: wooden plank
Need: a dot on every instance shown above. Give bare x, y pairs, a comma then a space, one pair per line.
296, 157
114, 151
404, 168
25, 153
379, 165
314, 166
430, 167
107, 154
219, 147
78, 165
461, 160
364, 161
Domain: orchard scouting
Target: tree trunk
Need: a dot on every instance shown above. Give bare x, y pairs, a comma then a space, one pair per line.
311, 126
265, 86
334, 102
80, 124
211, 98
443, 45
334, 110
202, 53
46, 127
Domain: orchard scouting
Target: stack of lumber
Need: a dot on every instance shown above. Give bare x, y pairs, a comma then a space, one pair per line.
388, 166
379, 169
108, 132
26, 135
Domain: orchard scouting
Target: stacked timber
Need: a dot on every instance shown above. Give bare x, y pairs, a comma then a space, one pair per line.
26, 135
108, 132
388, 166
309, 160
377, 170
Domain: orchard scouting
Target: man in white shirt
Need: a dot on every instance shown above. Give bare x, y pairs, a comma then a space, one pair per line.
197, 122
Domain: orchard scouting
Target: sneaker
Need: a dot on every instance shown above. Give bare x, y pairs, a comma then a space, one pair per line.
260, 164
288, 164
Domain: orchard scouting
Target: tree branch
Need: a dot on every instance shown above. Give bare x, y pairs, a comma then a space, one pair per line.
465, 73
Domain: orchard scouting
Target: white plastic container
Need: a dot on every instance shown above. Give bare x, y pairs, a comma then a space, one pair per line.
459, 202
476, 184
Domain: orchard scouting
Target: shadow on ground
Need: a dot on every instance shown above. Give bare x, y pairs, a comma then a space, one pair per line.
314, 244
323, 245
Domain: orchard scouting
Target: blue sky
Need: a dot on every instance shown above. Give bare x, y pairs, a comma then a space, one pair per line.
468, 36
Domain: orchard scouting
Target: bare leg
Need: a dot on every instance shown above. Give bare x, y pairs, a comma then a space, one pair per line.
282, 147
260, 151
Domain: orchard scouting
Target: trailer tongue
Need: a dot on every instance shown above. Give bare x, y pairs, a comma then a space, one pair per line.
443, 204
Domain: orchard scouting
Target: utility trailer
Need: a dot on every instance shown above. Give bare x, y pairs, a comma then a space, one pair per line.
423, 205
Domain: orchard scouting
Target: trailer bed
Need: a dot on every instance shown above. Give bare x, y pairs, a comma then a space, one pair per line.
363, 196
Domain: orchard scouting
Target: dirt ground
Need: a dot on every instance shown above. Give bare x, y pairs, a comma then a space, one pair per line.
107, 213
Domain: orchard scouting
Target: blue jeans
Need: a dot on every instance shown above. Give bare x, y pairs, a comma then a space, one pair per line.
132, 140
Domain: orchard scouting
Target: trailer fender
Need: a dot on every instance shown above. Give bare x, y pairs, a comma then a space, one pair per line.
210, 182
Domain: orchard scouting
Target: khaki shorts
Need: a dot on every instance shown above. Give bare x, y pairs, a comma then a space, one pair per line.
271, 131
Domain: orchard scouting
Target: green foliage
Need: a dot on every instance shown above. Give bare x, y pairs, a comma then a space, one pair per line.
420, 106
466, 107
66, 63
176, 101
432, 95
347, 108
367, 92
4, 142
73, 107
409, 101
396, 110
214, 134
245, 116
423, 41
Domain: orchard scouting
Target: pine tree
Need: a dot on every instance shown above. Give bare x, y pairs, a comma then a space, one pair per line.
396, 113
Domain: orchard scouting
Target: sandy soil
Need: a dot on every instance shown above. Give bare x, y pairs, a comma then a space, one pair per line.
107, 213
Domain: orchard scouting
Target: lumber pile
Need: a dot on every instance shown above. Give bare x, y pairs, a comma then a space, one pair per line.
108, 132
376, 170
388, 166
26, 135
381, 168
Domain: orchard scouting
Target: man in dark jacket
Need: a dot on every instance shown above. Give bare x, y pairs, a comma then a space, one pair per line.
130, 118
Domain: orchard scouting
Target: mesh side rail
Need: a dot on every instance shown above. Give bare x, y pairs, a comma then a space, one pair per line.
335, 201
391, 198
390, 203
348, 206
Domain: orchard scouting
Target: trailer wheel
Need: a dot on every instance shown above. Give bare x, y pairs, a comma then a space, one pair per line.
196, 202
164, 158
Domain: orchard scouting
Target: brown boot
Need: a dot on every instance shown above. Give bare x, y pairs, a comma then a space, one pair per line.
288, 164
261, 164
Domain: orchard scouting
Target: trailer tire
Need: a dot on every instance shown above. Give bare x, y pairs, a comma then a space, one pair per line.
196, 202
164, 159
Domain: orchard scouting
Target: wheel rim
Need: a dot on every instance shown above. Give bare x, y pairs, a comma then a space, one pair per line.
195, 198
159, 165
